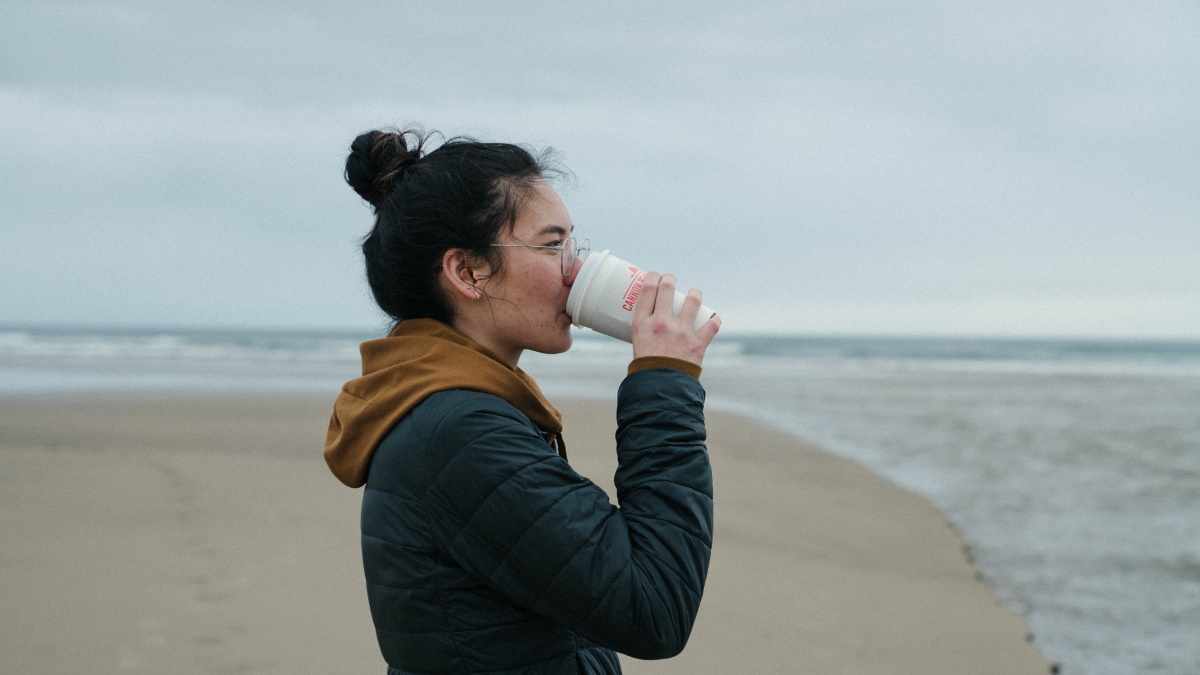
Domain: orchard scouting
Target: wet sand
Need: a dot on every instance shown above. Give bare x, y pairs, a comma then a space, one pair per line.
191, 533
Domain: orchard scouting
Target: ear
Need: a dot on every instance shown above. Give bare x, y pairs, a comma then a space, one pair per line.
462, 274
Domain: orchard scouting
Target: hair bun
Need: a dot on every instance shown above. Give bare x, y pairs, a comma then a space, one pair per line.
378, 159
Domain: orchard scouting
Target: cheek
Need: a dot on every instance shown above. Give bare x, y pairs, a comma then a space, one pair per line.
536, 285
545, 284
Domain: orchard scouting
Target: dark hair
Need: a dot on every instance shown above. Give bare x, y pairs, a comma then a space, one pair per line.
459, 195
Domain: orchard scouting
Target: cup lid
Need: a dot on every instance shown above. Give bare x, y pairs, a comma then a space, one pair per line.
582, 280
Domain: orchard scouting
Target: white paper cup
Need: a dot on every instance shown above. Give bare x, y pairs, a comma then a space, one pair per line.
604, 293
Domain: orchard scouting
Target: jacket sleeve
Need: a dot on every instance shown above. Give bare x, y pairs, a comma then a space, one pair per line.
512, 512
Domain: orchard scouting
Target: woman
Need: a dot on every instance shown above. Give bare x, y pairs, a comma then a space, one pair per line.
483, 550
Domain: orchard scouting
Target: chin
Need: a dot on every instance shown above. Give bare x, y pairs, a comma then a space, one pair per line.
559, 345
564, 344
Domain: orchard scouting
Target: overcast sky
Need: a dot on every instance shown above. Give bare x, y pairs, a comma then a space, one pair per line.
1016, 168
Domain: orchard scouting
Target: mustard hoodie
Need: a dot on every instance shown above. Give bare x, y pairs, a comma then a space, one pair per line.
418, 358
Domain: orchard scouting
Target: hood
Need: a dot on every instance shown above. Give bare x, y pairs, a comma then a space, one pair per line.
420, 357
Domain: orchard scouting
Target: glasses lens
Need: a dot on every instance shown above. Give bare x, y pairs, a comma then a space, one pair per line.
568, 256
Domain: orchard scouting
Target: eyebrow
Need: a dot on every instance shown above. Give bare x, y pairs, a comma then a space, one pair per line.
551, 229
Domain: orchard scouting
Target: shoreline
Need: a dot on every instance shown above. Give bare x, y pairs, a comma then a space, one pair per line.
201, 532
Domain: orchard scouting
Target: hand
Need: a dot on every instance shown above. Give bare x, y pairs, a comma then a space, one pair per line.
656, 329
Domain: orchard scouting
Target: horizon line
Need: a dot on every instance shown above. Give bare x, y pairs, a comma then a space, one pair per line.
587, 334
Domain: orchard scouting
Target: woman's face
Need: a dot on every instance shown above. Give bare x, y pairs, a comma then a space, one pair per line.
528, 299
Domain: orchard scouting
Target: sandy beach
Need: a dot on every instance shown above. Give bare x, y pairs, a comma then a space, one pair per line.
190, 533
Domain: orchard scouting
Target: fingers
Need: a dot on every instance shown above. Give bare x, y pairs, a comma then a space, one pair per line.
691, 306
658, 297
709, 330
664, 303
644, 306
658, 331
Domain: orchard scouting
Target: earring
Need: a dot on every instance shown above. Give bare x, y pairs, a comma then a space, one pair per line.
477, 295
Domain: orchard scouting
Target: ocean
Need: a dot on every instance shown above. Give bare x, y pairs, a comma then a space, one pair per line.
1071, 468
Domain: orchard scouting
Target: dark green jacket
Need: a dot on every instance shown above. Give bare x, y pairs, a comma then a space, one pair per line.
486, 552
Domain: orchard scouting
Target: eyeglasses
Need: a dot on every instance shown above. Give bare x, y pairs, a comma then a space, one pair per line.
571, 249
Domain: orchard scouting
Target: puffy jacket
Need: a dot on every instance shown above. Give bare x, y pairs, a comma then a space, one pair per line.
485, 551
